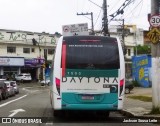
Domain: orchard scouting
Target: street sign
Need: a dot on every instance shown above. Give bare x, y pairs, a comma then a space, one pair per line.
155, 21
75, 29
154, 35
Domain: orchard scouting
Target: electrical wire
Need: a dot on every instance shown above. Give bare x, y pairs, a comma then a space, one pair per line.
134, 9
98, 17
115, 4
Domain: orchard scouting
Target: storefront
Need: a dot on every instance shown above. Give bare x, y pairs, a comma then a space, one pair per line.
11, 65
33, 66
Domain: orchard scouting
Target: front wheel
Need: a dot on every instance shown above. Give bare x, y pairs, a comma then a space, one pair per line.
127, 91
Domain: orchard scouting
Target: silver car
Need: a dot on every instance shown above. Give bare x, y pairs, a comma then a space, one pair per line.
15, 86
10, 88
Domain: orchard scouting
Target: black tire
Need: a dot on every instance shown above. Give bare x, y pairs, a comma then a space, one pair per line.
4, 96
0, 97
56, 113
102, 115
127, 90
22, 81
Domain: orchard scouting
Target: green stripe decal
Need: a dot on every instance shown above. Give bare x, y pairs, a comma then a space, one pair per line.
91, 73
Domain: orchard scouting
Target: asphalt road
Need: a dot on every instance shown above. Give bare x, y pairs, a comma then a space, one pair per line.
33, 101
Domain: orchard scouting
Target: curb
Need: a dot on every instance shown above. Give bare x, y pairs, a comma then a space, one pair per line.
126, 113
132, 115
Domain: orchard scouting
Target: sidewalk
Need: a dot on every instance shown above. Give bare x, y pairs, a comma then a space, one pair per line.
137, 108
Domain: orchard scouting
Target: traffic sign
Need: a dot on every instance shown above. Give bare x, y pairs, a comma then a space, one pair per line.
155, 21
75, 29
154, 35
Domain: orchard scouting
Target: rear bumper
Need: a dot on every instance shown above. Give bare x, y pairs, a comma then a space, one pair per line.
90, 106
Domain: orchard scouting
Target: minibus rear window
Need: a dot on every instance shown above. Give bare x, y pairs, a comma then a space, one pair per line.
92, 53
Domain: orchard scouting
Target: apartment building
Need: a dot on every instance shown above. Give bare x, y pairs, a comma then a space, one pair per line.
18, 52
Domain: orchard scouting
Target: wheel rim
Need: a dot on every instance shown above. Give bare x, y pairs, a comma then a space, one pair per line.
127, 91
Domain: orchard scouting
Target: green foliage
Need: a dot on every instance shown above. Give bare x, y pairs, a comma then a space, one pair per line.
141, 98
142, 49
58, 34
155, 110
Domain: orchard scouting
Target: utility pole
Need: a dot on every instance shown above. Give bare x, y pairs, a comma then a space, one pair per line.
155, 49
91, 20
123, 35
105, 19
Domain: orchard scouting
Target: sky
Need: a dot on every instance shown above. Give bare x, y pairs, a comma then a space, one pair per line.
50, 15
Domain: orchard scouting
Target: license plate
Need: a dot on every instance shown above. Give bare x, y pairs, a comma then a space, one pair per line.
87, 97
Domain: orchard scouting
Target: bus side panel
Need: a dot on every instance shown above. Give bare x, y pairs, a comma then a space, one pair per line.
122, 75
57, 74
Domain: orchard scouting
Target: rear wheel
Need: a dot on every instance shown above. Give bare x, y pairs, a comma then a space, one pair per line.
103, 114
56, 113
0, 97
22, 81
4, 96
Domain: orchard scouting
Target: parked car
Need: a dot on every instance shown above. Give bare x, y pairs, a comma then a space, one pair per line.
23, 77
3, 77
3, 90
45, 82
15, 86
10, 88
128, 86
0, 95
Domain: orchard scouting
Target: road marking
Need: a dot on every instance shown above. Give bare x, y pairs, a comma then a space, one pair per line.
49, 124
12, 101
14, 112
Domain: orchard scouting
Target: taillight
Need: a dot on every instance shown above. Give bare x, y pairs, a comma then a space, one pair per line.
122, 82
58, 84
121, 85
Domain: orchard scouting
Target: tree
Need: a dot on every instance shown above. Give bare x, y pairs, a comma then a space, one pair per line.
145, 49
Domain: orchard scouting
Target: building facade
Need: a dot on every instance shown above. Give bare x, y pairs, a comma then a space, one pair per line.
133, 36
18, 53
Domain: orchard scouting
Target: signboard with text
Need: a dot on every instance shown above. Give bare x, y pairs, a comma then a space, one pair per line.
11, 61
155, 21
75, 29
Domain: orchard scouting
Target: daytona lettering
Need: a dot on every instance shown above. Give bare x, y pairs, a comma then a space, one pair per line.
105, 80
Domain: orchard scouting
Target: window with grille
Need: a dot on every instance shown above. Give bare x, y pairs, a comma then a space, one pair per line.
11, 49
33, 50
50, 51
26, 50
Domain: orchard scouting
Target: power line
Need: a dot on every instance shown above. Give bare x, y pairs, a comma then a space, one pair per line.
121, 9
97, 17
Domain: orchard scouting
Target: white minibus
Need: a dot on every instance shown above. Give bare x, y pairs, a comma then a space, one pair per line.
87, 73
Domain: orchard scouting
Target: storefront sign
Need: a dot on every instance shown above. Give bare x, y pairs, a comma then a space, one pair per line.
34, 61
11, 61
